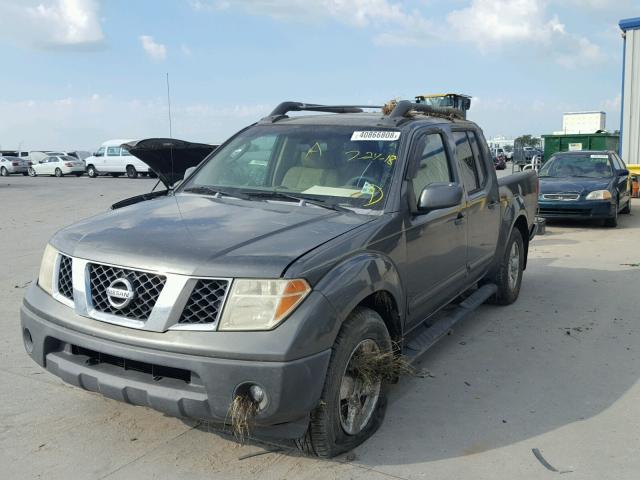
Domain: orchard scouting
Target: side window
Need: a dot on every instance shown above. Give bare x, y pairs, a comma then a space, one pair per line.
113, 151
617, 162
480, 163
466, 162
100, 152
433, 165
124, 153
53, 159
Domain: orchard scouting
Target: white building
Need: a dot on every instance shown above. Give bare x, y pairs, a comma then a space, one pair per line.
583, 122
630, 123
500, 142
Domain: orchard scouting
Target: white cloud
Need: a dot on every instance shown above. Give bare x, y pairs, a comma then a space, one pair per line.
53, 24
494, 24
155, 51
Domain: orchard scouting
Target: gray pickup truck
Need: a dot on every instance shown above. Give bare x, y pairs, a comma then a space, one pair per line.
300, 245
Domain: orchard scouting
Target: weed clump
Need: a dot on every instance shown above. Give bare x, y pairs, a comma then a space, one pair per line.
388, 367
242, 413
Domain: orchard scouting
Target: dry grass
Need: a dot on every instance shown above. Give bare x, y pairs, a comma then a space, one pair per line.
242, 412
385, 366
388, 107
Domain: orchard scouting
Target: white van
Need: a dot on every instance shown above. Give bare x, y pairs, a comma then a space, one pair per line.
111, 159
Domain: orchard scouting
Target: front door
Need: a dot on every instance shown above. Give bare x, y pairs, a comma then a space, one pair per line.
436, 240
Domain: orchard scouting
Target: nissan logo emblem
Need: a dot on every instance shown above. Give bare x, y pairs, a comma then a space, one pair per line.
120, 293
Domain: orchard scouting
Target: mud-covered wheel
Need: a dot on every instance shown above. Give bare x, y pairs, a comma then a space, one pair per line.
508, 277
352, 406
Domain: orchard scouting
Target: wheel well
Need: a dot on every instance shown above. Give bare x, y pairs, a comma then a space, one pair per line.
130, 165
521, 224
383, 303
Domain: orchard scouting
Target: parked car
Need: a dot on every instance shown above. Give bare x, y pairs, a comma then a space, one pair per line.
10, 165
585, 185
499, 159
112, 159
296, 249
80, 154
58, 166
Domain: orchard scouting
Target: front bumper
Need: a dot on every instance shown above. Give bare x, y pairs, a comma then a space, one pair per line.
579, 209
176, 383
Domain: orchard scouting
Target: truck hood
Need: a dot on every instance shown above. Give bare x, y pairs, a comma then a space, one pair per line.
568, 184
169, 158
203, 236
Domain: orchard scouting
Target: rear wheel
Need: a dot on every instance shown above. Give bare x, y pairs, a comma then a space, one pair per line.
508, 277
58, 172
92, 172
131, 171
4, 172
352, 405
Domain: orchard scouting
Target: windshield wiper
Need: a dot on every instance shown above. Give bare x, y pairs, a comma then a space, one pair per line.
301, 199
217, 192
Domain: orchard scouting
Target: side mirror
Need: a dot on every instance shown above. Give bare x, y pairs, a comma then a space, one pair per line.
189, 171
440, 195
623, 172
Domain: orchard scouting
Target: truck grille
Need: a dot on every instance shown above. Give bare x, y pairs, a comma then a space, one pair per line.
147, 287
65, 277
205, 302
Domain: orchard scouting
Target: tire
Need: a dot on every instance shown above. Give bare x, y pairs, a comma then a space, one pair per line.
627, 209
58, 172
4, 172
92, 172
508, 277
31, 172
612, 222
131, 171
328, 434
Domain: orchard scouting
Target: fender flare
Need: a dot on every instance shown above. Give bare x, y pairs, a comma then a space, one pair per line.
348, 283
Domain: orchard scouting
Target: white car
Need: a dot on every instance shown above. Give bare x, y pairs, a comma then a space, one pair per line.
9, 165
58, 166
111, 159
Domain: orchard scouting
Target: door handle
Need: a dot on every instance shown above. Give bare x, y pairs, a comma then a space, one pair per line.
459, 219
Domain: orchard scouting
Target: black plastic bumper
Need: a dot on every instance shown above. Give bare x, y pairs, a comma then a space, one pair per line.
178, 384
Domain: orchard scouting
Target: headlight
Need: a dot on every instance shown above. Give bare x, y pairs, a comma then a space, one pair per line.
261, 304
45, 278
599, 195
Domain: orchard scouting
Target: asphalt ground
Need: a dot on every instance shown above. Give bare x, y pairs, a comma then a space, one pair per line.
557, 372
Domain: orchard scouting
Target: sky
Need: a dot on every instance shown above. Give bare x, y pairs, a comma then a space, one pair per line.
75, 73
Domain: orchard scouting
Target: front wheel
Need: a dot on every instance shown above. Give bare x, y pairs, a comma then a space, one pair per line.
31, 172
92, 172
58, 172
131, 172
612, 222
353, 401
508, 277
627, 209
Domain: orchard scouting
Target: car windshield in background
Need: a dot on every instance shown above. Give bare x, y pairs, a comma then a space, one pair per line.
584, 165
347, 166
68, 158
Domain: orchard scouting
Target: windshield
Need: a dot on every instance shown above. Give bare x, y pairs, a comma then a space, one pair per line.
347, 166
583, 165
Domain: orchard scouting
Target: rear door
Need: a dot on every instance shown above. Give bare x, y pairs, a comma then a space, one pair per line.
482, 207
436, 240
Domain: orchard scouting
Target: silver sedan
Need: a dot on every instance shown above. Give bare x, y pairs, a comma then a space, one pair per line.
9, 165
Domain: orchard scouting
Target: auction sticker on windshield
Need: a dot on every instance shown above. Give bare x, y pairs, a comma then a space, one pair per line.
599, 156
384, 135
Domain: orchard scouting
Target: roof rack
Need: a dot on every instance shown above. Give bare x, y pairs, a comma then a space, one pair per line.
285, 107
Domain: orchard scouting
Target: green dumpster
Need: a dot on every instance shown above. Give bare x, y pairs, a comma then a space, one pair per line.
582, 141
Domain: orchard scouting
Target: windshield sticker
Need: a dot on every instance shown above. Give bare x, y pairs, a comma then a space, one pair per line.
384, 135
600, 156
368, 189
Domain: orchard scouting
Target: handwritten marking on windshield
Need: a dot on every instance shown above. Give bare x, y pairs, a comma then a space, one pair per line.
376, 195
315, 148
358, 155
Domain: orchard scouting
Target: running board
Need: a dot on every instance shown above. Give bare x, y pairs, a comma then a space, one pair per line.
424, 337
